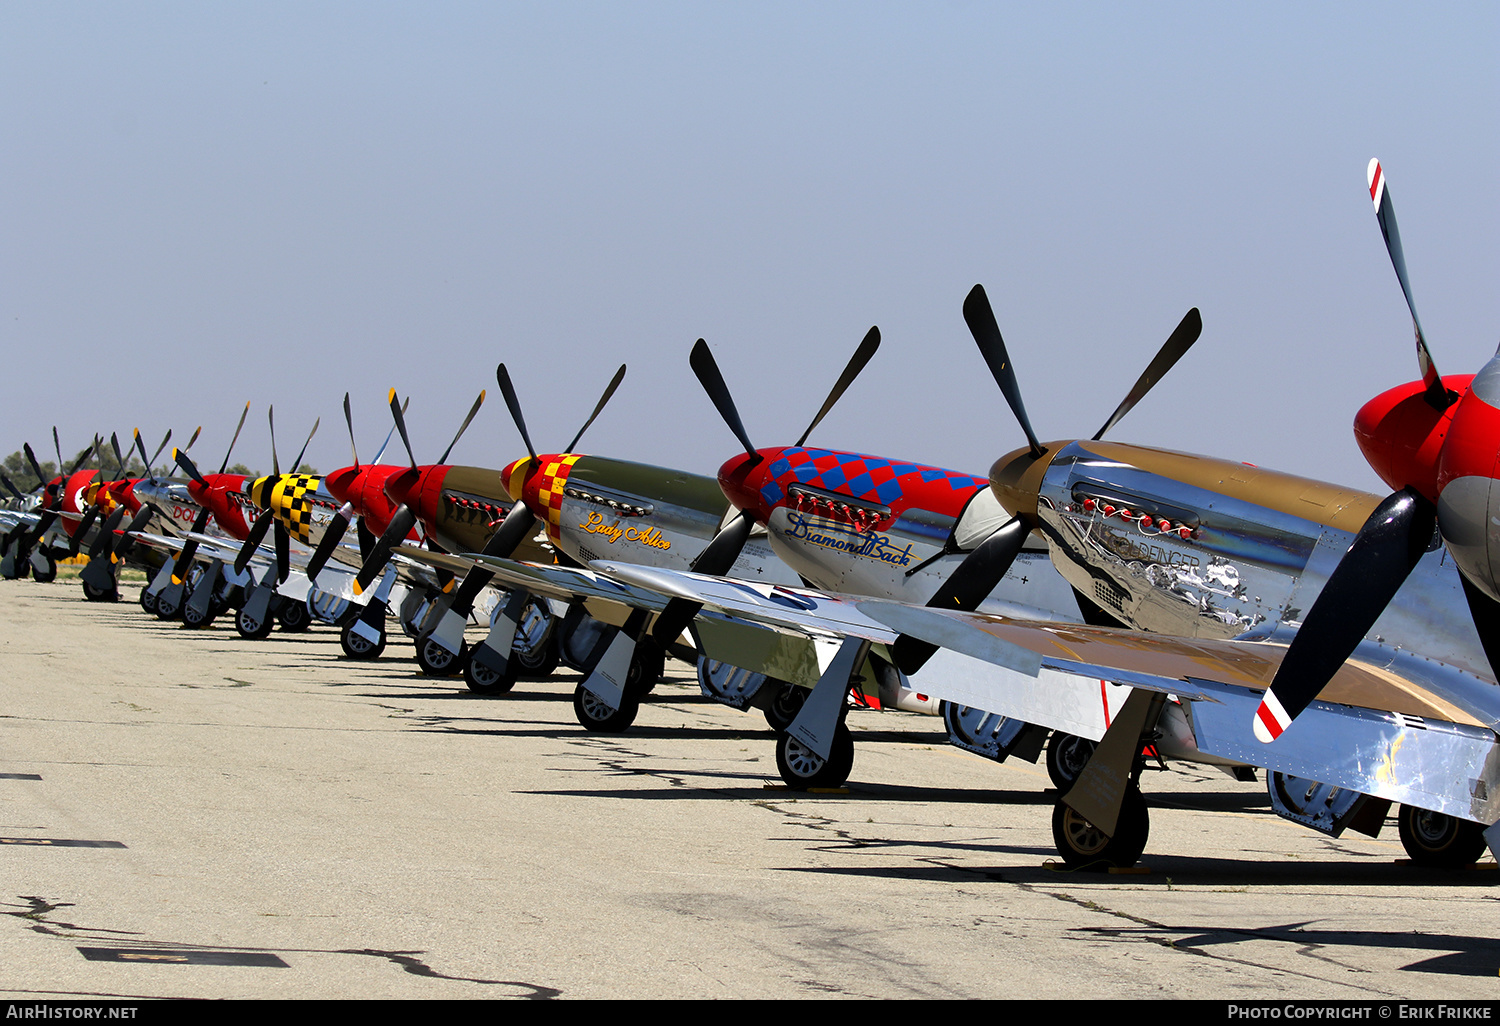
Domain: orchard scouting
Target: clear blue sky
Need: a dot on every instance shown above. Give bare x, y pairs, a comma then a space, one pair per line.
209, 203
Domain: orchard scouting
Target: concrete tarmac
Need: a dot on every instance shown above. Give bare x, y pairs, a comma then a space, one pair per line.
187, 814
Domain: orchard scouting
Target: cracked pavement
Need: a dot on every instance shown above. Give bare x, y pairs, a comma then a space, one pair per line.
389, 835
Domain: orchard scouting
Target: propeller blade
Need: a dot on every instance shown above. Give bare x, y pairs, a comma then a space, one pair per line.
399, 412
1388, 546
1179, 342
185, 557
303, 451
856, 364
104, 544
613, 384
349, 419
707, 371
1385, 213
36, 468
271, 419
462, 428
716, 560
982, 325
979, 574
57, 448
11, 487
188, 466
283, 552
196, 432
83, 457
76, 542
137, 523
243, 414
395, 534
514, 405
252, 540
114, 441
391, 433
514, 529
332, 535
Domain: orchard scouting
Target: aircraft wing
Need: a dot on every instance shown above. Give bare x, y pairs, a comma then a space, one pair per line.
1388, 724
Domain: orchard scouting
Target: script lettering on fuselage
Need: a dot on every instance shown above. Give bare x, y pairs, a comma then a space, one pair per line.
651, 537
841, 538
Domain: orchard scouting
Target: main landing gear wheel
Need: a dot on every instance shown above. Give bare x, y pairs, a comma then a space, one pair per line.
1084, 846
595, 714
437, 661
94, 594
1067, 755
191, 618
484, 681
252, 629
46, 576
166, 608
803, 769
148, 601
357, 647
535, 646
1439, 841
786, 703
295, 617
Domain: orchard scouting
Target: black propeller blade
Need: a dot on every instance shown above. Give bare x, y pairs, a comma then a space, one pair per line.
979, 574
701, 359
1178, 343
1438, 396
253, 540
1386, 550
982, 325
719, 556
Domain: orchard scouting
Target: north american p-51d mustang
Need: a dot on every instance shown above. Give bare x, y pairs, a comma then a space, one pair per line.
1327, 635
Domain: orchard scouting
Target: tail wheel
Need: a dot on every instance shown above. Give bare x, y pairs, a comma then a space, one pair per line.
786, 703
1084, 846
1439, 841
1067, 755
295, 617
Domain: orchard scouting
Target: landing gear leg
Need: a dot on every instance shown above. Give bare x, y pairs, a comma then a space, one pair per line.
817, 749
1102, 821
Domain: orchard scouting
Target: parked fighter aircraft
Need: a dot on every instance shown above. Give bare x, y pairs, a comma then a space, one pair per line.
1224, 558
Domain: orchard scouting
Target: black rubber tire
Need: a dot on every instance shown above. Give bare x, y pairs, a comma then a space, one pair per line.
1438, 841
437, 661
647, 664
1067, 755
541, 662
94, 594
802, 770
785, 704
46, 576
252, 630
166, 611
190, 618
294, 617
596, 716
356, 647
484, 681
1085, 847
148, 601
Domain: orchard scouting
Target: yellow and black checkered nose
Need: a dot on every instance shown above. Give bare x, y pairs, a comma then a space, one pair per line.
287, 497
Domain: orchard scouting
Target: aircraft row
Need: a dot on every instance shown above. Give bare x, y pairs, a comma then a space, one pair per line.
1109, 603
